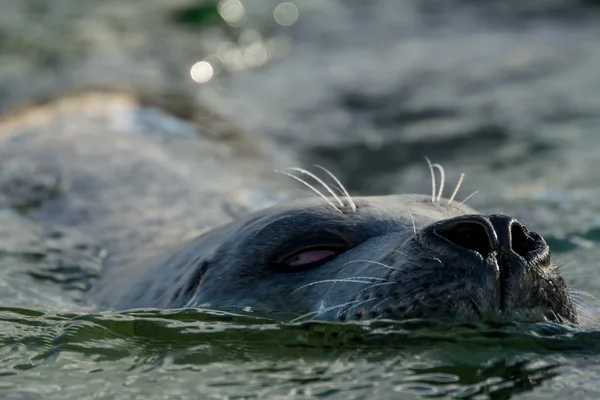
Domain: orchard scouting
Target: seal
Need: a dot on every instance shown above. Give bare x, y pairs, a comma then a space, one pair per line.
137, 179
342, 258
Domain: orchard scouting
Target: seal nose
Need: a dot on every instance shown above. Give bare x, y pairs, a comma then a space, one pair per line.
495, 233
513, 237
471, 232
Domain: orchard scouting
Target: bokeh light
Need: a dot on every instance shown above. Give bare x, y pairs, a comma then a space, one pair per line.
286, 14
255, 54
248, 37
202, 72
232, 11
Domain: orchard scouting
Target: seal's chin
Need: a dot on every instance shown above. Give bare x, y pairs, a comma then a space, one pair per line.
535, 299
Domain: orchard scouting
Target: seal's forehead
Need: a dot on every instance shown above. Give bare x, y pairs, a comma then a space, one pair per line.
417, 205
402, 206
366, 217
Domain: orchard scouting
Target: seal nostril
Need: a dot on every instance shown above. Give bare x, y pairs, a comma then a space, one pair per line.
522, 243
469, 235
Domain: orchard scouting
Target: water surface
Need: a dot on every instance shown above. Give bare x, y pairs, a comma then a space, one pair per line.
504, 91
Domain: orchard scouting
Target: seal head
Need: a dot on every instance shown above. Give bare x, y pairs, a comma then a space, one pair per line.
399, 256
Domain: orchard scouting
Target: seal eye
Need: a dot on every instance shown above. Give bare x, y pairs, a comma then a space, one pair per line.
308, 258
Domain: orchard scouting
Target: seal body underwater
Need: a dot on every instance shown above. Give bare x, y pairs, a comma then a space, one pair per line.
333, 257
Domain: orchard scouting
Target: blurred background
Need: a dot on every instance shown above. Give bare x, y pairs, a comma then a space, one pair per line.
505, 91
366, 88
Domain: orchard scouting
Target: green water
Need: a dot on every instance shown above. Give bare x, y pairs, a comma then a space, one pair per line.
157, 354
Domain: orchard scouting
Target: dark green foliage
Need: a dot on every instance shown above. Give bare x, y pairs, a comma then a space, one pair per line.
198, 16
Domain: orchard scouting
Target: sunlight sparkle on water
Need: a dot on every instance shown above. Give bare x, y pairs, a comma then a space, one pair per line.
201, 72
232, 11
255, 55
286, 14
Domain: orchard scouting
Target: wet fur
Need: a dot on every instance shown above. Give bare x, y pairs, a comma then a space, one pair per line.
386, 272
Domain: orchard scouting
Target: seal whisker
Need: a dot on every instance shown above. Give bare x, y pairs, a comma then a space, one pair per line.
455, 192
576, 298
438, 260
413, 221
381, 284
433, 185
321, 181
584, 310
319, 312
313, 189
576, 295
406, 255
376, 285
556, 317
578, 301
591, 320
372, 262
442, 181
584, 320
366, 277
582, 307
356, 303
340, 186
562, 264
477, 306
348, 280
583, 292
468, 197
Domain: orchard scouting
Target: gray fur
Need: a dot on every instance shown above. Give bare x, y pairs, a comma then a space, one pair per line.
388, 270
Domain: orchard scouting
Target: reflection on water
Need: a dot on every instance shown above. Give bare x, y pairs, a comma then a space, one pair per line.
251, 50
286, 14
236, 354
202, 71
232, 11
